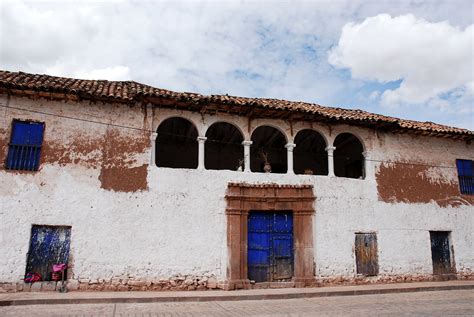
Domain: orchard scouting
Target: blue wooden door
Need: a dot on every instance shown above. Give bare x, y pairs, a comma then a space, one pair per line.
49, 245
270, 246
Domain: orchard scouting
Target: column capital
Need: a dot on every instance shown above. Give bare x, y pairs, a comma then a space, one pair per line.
366, 154
154, 135
290, 146
330, 149
201, 139
247, 143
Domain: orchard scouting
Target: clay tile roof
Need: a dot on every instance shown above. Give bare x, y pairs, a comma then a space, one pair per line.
130, 92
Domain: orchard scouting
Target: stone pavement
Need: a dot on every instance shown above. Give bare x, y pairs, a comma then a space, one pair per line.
434, 303
50, 298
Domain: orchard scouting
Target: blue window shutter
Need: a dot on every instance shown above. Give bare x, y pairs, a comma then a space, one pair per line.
468, 168
25, 147
27, 133
466, 176
465, 167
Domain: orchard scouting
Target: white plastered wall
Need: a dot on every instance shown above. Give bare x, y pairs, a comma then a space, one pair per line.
178, 226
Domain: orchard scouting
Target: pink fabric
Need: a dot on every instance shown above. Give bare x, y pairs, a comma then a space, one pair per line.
59, 267
32, 277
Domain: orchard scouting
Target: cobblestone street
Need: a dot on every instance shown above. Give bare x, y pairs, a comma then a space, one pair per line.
439, 303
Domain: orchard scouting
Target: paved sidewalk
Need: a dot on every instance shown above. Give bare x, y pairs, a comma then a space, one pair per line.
39, 298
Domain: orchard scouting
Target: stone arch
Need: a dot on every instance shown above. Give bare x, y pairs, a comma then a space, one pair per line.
163, 117
268, 146
176, 143
271, 125
224, 150
211, 121
348, 156
310, 156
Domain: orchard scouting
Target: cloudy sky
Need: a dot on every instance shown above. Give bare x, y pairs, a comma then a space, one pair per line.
410, 59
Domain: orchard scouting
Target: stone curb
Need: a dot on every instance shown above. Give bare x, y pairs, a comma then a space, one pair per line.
230, 297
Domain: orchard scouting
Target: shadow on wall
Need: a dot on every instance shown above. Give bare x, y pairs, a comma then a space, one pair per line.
268, 152
176, 144
348, 158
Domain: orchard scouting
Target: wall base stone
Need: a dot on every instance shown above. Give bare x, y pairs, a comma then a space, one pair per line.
190, 283
388, 279
118, 284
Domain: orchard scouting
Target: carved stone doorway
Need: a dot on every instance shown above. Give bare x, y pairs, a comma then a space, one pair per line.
241, 199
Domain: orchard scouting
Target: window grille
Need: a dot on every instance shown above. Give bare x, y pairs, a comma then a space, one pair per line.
466, 176
24, 150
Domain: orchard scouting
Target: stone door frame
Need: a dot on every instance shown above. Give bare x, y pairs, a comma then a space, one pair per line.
241, 199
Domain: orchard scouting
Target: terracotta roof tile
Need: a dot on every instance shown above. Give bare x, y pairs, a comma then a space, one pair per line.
130, 91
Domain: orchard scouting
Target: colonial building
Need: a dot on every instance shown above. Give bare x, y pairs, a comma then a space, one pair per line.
139, 188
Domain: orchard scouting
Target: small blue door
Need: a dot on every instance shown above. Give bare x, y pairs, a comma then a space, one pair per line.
49, 245
270, 246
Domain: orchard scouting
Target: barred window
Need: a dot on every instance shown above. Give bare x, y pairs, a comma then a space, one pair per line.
466, 176
24, 150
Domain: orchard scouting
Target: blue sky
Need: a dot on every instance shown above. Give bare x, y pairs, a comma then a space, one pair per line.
410, 59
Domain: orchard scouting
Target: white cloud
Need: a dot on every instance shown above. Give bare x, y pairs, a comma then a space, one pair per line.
110, 73
246, 48
430, 58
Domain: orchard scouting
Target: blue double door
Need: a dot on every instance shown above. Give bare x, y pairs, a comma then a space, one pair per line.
270, 246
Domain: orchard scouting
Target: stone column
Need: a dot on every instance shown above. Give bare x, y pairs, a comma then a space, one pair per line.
368, 166
201, 140
330, 150
154, 135
237, 274
289, 152
247, 145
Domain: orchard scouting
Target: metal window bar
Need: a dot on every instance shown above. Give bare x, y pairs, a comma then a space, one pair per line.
466, 185
23, 157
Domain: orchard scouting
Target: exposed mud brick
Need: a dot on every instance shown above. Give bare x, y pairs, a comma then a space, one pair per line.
3, 146
414, 184
86, 151
124, 179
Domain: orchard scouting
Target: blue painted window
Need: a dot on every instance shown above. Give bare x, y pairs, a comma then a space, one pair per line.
466, 176
24, 150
